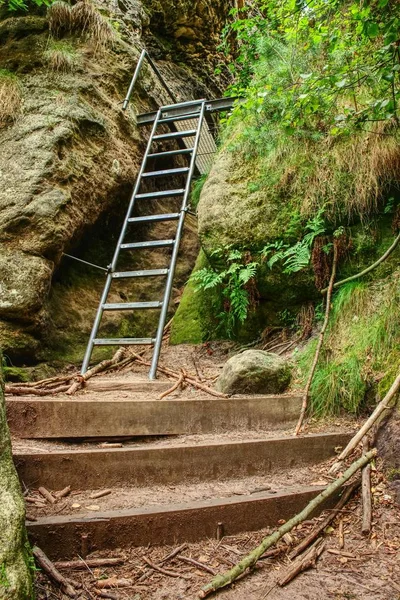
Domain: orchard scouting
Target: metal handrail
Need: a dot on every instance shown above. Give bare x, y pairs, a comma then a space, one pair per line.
145, 55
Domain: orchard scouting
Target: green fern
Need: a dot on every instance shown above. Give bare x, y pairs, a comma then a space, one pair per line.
232, 281
296, 258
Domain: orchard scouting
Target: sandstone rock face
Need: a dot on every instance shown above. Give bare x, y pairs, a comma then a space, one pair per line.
254, 372
69, 159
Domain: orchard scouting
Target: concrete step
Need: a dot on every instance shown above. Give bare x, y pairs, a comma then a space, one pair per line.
137, 414
62, 537
172, 461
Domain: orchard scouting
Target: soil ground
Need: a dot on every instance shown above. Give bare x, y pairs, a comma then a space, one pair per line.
366, 568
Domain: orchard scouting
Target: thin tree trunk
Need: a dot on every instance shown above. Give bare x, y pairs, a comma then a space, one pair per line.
250, 560
320, 341
15, 556
382, 406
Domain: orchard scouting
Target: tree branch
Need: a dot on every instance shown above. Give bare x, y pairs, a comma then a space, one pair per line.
250, 560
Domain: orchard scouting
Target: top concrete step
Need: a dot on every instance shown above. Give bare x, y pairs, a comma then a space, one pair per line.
118, 414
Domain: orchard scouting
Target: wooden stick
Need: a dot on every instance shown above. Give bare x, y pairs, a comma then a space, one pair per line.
47, 566
173, 388
106, 594
63, 493
176, 375
163, 571
48, 381
46, 495
368, 269
347, 494
100, 494
382, 406
114, 582
93, 563
25, 391
199, 565
307, 560
250, 560
173, 553
105, 364
341, 534
320, 341
366, 494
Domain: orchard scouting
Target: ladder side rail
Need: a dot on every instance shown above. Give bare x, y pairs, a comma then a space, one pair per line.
145, 55
113, 265
174, 257
134, 79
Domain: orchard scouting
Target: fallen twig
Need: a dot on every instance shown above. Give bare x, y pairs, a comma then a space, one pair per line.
199, 565
341, 533
320, 340
113, 582
106, 594
191, 380
366, 494
47, 566
382, 406
100, 494
33, 391
250, 560
46, 495
347, 494
173, 553
93, 563
105, 364
163, 571
307, 560
173, 388
63, 493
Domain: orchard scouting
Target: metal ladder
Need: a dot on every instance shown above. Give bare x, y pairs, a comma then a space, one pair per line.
192, 110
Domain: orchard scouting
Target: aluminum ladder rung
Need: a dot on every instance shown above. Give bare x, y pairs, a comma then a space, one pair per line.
171, 153
188, 103
163, 194
146, 273
153, 244
166, 173
123, 341
155, 218
178, 112
186, 117
132, 305
175, 134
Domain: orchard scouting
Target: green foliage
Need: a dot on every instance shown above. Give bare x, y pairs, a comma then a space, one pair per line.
360, 346
231, 282
60, 55
317, 68
3, 577
196, 190
15, 5
297, 257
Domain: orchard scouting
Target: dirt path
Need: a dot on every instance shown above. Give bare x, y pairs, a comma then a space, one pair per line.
365, 569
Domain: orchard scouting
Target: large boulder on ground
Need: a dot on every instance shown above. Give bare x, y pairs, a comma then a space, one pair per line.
254, 372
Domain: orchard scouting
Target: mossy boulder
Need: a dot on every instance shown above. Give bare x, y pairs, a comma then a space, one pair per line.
195, 321
254, 372
78, 157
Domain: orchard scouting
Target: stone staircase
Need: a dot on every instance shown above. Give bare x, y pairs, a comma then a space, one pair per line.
183, 469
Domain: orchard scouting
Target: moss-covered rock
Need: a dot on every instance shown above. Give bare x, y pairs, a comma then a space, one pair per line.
78, 156
195, 320
254, 372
